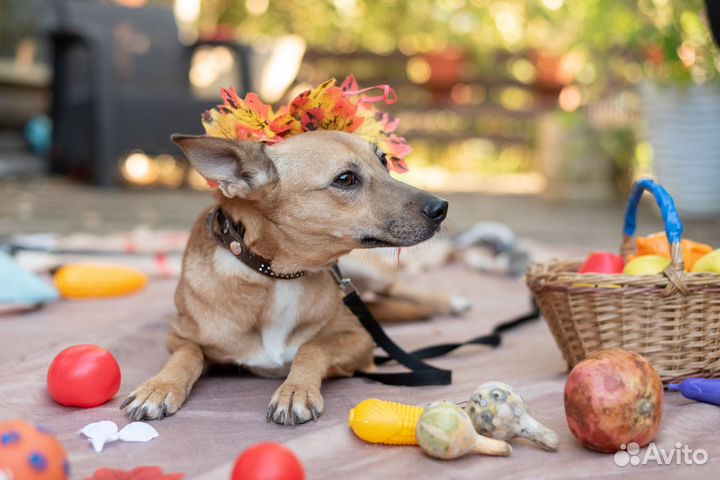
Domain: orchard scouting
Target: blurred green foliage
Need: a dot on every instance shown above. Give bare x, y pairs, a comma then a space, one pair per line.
667, 40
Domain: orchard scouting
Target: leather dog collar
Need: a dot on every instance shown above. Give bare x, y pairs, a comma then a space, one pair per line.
230, 235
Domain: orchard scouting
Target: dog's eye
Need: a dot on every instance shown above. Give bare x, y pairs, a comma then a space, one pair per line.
345, 180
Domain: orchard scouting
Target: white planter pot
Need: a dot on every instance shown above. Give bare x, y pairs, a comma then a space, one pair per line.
684, 130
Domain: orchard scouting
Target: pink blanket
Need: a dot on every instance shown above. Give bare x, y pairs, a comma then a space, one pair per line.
226, 413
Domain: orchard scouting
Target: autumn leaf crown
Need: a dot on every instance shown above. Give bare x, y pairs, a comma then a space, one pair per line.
326, 107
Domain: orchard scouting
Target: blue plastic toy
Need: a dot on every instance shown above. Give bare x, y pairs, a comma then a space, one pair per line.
38, 134
20, 287
700, 389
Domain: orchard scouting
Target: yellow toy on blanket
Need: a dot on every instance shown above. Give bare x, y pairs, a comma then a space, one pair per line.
98, 281
495, 410
379, 421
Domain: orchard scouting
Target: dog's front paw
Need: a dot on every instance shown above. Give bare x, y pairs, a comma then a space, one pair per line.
294, 403
154, 400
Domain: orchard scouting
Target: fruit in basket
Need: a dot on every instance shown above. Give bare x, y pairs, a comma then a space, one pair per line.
710, 263
98, 281
646, 265
657, 244
612, 398
603, 262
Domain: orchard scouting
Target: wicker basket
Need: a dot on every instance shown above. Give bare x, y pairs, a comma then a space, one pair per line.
672, 319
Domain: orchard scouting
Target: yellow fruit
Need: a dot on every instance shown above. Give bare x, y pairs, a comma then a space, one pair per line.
378, 421
709, 263
657, 244
98, 281
646, 265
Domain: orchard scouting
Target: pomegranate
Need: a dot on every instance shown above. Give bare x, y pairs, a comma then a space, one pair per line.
613, 397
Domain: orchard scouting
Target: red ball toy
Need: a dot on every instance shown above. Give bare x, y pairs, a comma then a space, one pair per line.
603, 262
268, 461
30, 453
83, 376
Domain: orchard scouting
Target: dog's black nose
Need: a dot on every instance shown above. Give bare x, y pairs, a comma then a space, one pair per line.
436, 209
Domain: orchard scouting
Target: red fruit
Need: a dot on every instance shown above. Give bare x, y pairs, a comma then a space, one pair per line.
603, 262
613, 397
83, 376
268, 461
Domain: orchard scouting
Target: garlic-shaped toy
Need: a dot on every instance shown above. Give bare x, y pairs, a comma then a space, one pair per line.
498, 411
445, 431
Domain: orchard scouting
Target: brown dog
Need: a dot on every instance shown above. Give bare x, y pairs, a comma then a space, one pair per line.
304, 203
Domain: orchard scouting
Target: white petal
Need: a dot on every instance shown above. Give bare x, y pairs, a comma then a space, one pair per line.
104, 429
98, 444
138, 432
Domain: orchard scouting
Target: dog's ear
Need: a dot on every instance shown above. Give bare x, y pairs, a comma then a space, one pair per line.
239, 168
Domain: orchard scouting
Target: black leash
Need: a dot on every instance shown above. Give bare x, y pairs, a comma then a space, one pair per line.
230, 235
421, 373
493, 339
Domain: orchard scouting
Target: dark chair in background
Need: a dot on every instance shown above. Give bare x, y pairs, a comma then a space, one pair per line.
713, 11
120, 83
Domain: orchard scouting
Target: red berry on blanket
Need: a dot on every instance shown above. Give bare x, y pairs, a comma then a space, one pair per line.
83, 376
31, 453
268, 461
613, 397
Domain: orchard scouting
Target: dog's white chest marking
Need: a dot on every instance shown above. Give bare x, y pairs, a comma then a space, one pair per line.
227, 264
273, 360
276, 355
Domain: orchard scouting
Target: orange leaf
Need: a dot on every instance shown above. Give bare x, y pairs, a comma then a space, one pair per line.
327, 106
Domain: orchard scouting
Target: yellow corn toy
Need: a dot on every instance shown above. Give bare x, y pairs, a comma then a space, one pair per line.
98, 281
379, 421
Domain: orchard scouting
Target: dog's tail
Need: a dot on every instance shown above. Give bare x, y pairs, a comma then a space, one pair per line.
387, 310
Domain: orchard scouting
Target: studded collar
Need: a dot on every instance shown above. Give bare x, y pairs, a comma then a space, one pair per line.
230, 235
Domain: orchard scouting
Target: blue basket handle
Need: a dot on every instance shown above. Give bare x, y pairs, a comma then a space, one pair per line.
673, 225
